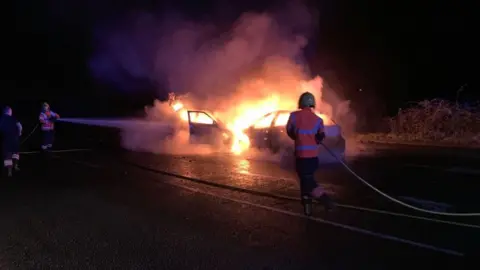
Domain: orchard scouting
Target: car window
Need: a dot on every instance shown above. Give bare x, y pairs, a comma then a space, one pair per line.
282, 119
200, 118
265, 121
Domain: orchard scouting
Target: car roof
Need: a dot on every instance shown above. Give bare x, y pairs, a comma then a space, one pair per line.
290, 111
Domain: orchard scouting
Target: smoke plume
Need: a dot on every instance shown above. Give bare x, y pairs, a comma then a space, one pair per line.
258, 65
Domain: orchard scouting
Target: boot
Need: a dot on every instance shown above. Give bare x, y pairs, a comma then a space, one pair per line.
307, 205
322, 197
15, 165
9, 171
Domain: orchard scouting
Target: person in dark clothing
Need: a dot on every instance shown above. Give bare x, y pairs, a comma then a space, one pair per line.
11, 131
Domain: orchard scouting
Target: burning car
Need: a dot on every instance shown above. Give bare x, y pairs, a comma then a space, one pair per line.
267, 132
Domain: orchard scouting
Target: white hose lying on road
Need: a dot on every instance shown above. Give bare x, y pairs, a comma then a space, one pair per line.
30, 134
396, 200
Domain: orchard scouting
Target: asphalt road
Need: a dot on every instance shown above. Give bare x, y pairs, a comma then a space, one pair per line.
100, 210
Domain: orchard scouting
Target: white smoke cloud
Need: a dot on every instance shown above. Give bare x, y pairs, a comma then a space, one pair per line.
261, 56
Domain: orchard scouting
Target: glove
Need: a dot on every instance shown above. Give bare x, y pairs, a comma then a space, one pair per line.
319, 137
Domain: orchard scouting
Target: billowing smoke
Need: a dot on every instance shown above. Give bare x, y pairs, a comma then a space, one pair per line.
257, 66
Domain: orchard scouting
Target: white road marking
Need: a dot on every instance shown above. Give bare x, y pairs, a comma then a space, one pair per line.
384, 212
326, 186
88, 164
265, 176
420, 166
72, 150
459, 170
57, 151
464, 170
427, 204
358, 208
335, 224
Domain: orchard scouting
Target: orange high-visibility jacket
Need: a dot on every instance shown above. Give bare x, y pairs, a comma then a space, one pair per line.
305, 125
45, 120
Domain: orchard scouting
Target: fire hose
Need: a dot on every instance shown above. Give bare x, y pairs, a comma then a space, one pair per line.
404, 204
29, 135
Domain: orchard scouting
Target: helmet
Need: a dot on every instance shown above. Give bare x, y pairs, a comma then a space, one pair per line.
7, 110
45, 106
306, 100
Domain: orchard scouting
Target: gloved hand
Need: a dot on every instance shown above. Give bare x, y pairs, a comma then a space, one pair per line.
319, 137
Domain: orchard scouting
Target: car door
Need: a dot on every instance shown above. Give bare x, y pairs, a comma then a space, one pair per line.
278, 138
259, 132
203, 128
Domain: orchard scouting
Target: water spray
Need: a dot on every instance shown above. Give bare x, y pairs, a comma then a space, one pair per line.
117, 123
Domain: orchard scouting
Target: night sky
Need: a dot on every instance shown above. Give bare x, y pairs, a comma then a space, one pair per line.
410, 50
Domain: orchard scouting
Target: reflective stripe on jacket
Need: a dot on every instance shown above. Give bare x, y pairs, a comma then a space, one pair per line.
304, 125
46, 120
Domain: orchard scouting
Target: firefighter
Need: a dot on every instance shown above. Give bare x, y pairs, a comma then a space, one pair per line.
47, 119
307, 130
11, 131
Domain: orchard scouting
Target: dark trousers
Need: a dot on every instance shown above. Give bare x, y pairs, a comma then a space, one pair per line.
10, 149
47, 139
306, 168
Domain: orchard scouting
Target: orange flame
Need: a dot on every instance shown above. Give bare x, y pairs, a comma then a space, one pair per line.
177, 106
249, 110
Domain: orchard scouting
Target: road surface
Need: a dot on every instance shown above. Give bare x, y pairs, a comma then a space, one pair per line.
105, 210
